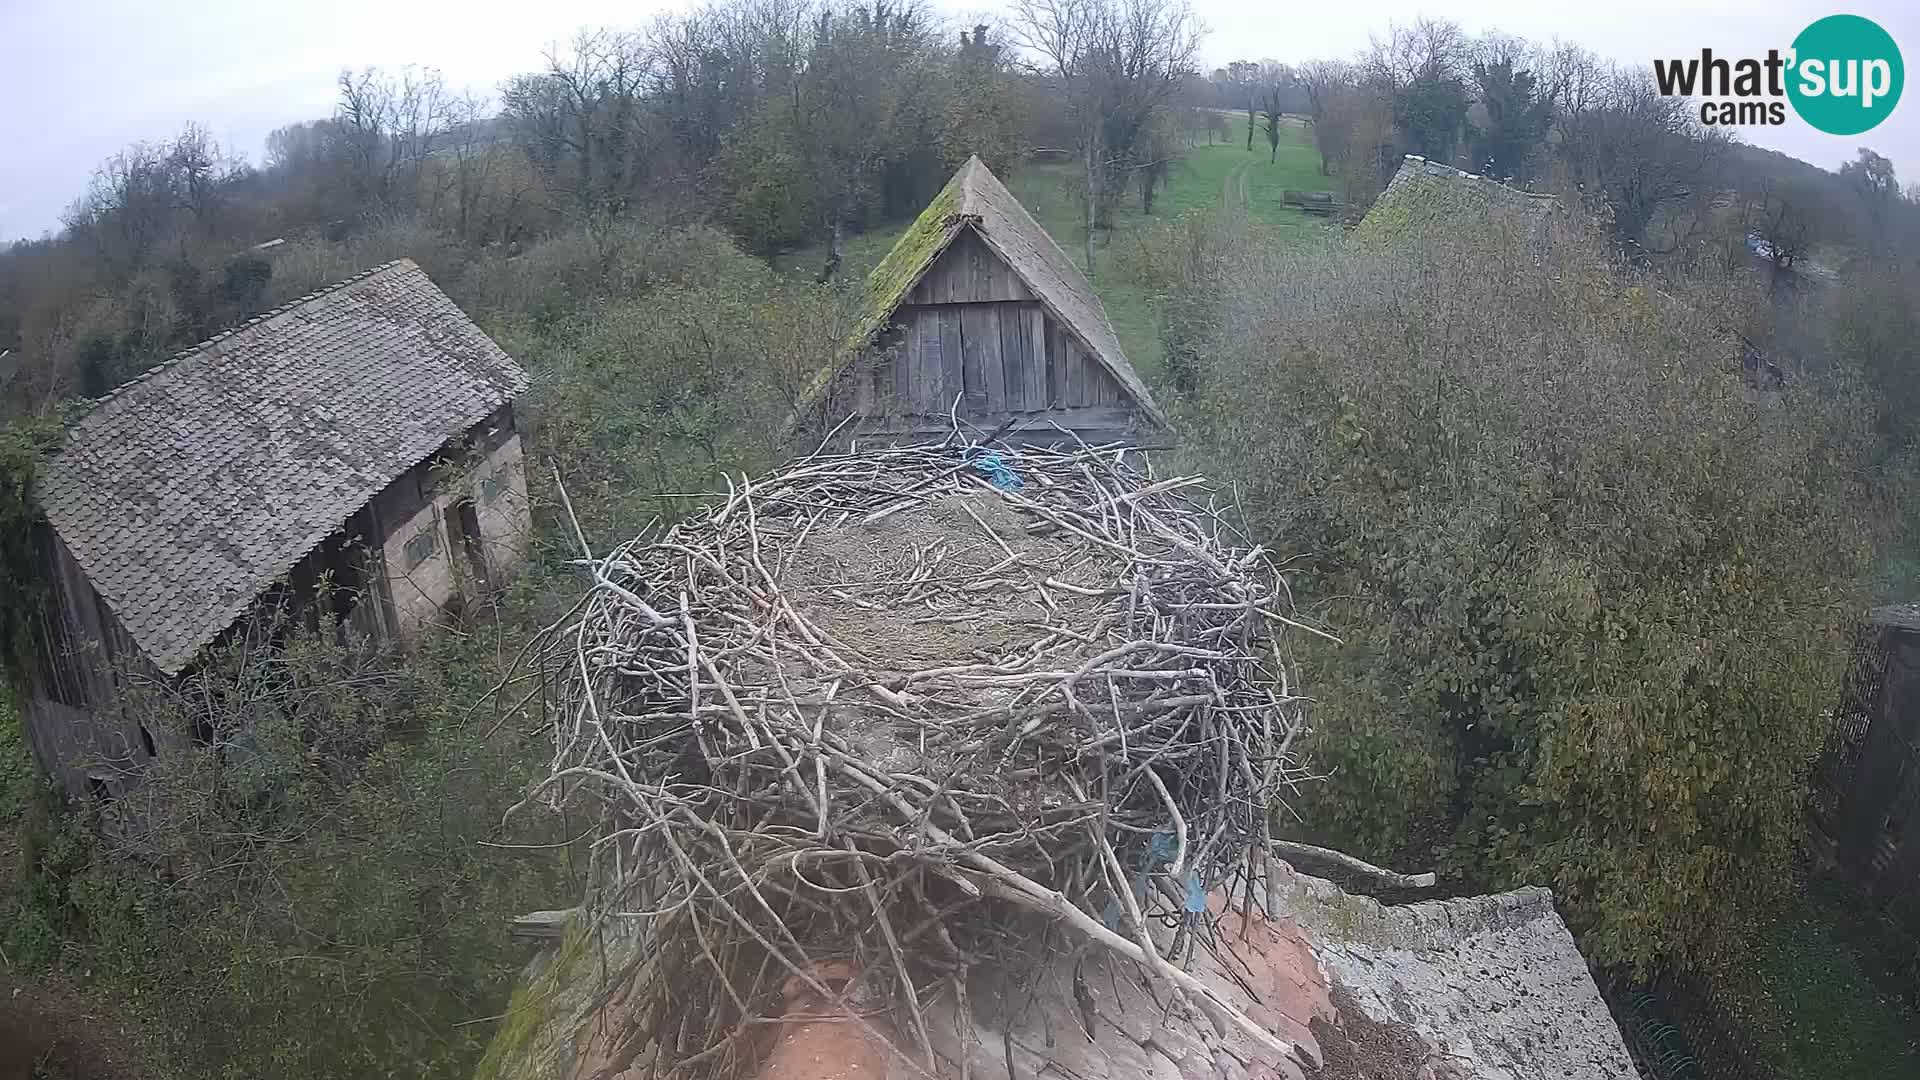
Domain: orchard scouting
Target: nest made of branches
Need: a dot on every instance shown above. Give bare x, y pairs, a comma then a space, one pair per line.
872, 722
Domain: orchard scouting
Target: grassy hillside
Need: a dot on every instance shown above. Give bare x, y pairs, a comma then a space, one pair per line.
1208, 177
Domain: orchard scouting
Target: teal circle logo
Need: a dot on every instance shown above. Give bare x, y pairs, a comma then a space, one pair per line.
1846, 74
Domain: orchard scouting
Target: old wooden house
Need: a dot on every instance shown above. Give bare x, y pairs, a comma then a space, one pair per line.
362, 437
976, 315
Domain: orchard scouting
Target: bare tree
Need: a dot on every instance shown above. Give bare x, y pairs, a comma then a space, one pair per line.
1643, 157
390, 124
472, 147
1241, 79
1271, 111
154, 202
1119, 64
1426, 50
849, 102
582, 120
1779, 222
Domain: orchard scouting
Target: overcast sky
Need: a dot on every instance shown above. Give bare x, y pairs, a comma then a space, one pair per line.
86, 77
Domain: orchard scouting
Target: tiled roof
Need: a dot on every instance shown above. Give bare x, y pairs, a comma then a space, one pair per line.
1494, 985
975, 198
184, 493
1476, 988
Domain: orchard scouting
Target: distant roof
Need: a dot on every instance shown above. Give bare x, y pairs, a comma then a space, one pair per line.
184, 493
1424, 191
976, 199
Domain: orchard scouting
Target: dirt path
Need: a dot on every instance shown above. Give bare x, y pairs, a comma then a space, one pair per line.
51, 1030
1233, 190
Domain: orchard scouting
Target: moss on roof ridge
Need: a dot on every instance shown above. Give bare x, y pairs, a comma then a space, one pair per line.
911, 255
896, 275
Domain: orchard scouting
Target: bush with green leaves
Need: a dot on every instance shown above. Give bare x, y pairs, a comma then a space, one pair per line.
1595, 595
560, 284
1873, 330
307, 883
658, 394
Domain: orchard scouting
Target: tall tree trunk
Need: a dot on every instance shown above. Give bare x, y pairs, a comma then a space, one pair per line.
1093, 199
1249, 128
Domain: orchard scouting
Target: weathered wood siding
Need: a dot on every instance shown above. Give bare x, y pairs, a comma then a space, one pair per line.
968, 272
999, 358
78, 731
91, 742
971, 334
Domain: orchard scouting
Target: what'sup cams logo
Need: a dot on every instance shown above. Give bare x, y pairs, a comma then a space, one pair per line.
1843, 75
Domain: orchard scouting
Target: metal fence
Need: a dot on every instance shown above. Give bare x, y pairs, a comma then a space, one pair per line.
1674, 1031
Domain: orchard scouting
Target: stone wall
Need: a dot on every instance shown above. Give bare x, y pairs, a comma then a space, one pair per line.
425, 564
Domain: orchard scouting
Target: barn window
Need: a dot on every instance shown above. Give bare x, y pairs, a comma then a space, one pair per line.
489, 489
422, 546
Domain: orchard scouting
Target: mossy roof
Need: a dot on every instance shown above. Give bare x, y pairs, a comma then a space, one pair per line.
1426, 193
976, 199
185, 493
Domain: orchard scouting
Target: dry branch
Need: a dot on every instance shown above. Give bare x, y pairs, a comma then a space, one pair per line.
1292, 849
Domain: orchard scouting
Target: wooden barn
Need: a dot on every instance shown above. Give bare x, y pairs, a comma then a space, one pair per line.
361, 437
1866, 798
977, 314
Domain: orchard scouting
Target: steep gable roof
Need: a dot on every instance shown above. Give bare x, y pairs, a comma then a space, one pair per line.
976, 199
186, 492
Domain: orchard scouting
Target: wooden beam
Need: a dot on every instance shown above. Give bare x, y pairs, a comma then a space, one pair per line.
953, 381
980, 327
542, 925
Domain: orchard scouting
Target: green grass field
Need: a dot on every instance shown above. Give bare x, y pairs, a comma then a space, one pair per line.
1208, 177
1810, 1010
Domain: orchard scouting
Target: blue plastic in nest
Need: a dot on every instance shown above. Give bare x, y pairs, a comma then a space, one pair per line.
998, 471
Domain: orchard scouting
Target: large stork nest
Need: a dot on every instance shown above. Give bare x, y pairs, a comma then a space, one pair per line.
876, 720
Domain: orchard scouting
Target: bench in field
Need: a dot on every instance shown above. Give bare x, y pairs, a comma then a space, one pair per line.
1313, 202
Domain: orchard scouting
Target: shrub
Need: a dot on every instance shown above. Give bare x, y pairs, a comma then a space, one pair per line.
315, 262
1595, 599
701, 375
568, 275
301, 886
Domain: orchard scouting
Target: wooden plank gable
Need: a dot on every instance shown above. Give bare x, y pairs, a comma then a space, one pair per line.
972, 334
969, 272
